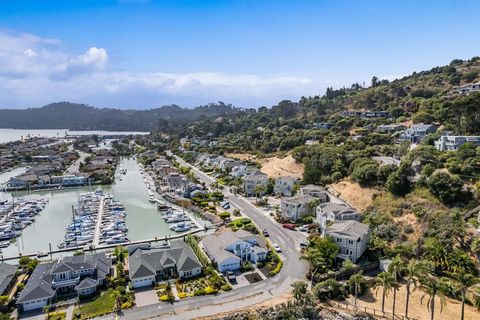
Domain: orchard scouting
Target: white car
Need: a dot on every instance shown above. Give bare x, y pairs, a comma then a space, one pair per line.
276, 247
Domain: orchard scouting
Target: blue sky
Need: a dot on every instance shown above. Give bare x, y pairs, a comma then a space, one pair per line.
142, 54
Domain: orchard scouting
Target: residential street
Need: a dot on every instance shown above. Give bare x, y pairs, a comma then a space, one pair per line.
293, 269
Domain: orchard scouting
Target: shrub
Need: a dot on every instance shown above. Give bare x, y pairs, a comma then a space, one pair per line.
182, 295
166, 297
126, 305
199, 292
277, 269
210, 290
226, 287
224, 215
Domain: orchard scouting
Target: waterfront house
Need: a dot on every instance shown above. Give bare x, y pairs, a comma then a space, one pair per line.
448, 142
229, 249
295, 208
417, 132
351, 236
23, 181
176, 180
315, 191
81, 275
148, 265
254, 179
68, 180
8, 275
330, 212
284, 186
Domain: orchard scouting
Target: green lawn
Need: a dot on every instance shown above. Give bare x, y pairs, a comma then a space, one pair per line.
102, 305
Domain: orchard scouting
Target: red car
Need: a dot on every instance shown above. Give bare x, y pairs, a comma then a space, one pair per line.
290, 226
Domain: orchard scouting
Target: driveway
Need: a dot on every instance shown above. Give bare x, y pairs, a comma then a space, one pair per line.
145, 296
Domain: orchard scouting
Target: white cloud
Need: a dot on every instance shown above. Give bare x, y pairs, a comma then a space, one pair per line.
36, 71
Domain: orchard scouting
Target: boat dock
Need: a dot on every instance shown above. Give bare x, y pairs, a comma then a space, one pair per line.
96, 235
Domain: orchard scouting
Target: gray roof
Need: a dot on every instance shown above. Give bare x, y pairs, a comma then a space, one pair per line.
39, 284
145, 261
257, 175
300, 199
216, 244
86, 283
7, 273
336, 208
351, 228
286, 179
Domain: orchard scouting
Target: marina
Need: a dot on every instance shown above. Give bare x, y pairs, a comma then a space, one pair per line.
142, 217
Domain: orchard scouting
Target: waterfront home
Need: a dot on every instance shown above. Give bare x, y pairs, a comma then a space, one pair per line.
352, 237
330, 212
23, 181
295, 208
148, 265
315, 191
68, 180
417, 132
449, 142
254, 179
229, 249
81, 275
284, 186
386, 128
176, 180
8, 275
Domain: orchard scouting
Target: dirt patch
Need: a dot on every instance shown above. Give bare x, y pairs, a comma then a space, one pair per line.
357, 196
281, 167
241, 156
417, 309
253, 277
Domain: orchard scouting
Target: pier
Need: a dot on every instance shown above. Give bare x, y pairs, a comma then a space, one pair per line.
96, 235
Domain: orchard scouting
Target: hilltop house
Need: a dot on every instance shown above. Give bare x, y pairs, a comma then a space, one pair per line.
448, 142
148, 265
417, 132
391, 128
467, 88
81, 274
330, 212
351, 236
228, 249
284, 186
295, 208
251, 181
315, 191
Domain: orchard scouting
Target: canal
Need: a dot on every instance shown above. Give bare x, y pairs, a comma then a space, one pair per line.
142, 219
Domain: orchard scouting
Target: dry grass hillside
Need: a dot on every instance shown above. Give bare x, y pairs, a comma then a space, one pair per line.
273, 166
357, 196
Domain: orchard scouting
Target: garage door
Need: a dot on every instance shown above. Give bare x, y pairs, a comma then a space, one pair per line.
33, 306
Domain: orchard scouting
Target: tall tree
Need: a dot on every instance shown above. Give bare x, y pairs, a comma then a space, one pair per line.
413, 271
464, 281
316, 261
357, 280
396, 268
435, 288
387, 282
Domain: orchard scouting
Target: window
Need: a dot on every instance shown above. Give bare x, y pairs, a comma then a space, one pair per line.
350, 241
339, 240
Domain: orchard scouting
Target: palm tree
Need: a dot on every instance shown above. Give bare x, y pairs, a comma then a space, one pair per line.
435, 288
116, 294
259, 190
437, 253
387, 282
316, 261
356, 279
414, 270
464, 281
395, 268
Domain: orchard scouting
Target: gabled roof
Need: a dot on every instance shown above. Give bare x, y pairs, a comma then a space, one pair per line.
86, 283
7, 272
145, 261
38, 285
350, 228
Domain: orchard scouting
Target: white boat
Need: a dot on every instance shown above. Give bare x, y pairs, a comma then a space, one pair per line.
151, 199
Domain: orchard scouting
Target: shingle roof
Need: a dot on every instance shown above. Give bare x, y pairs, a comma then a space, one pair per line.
86, 283
300, 199
7, 272
39, 284
350, 228
144, 261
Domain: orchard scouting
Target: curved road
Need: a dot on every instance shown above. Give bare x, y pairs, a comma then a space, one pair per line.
293, 269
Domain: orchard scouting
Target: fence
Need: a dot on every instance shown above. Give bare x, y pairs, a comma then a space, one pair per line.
371, 311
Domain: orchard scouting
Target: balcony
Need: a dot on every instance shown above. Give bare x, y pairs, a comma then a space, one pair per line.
65, 282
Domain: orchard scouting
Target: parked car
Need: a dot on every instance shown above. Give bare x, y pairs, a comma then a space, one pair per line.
303, 244
290, 226
265, 233
231, 277
276, 247
303, 228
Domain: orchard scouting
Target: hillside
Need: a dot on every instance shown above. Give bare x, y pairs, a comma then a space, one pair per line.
74, 116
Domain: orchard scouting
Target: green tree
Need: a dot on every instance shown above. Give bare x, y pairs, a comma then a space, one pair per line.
316, 261
445, 187
464, 281
357, 280
396, 268
387, 282
398, 182
434, 287
413, 271
299, 291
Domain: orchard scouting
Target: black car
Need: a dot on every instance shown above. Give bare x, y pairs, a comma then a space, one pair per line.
231, 277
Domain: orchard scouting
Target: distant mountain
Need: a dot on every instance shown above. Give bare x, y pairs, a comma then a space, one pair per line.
73, 116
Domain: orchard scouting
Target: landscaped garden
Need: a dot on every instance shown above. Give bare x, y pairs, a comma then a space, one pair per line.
211, 283
57, 315
102, 305
164, 291
243, 223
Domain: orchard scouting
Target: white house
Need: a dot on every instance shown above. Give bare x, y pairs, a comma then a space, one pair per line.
295, 208
330, 212
351, 236
449, 142
284, 186
315, 191
229, 249
251, 181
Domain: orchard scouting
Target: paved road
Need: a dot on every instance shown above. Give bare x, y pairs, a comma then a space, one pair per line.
75, 167
293, 269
